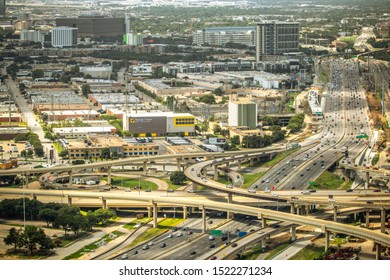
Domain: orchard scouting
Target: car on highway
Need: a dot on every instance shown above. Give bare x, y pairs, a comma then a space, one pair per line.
387, 191
193, 253
234, 245
211, 237
170, 235
145, 247
229, 186
124, 257
179, 234
163, 245
212, 246
305, 192
135, 253
151, 243
349, 190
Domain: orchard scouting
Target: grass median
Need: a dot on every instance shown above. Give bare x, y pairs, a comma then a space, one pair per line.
133, 182
93, 246
162, 227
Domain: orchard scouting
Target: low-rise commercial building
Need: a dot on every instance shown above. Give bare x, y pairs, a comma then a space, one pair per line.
159, 124
82, 132
97, 71
71, 115
93, 147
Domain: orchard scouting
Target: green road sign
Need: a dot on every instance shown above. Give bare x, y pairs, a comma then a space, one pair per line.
216, 232
311, 183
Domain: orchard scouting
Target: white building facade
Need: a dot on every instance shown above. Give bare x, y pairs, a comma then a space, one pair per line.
64, 37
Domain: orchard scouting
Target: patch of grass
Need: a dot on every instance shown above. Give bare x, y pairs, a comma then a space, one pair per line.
249, 179
349, 39
254, 253
71, 238
223, 179
173, 186
329, 181
277, 250
133, 223
92, 246
310, 252
278, 158
162, 227
58, 147
133, 182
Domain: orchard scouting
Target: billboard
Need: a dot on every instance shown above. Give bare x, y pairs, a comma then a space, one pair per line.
217, 141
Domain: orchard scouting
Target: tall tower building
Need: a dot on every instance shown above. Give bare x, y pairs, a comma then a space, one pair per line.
2, 8
127, 24
64, 36
275, 37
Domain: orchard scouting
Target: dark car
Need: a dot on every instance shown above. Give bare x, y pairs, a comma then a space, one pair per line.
234, 245
349, 190
163, 245
193, 253
212, 246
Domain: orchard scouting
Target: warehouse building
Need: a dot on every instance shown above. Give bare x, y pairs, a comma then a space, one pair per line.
159, 124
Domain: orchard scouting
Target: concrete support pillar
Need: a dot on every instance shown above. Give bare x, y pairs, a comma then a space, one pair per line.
34, 197
69, 201
104, 203
227, 165
70, 178
149, 211
293, 231
251, 162
263, 243
292, 208
367, 219
230, 215
145, 168
178, 163
263, 221
355, 216
215, 172
163, 166
109, 175
230, 198
154, 214
299, 210
184, 212
383, 220
194, 186
239, 165
367, 178
203, 219
326, 240
190, 210
378, 249
335, 213
307, 210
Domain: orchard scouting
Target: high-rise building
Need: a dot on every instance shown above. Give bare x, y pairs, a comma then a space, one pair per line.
64, 36
275, 37
32, 35
242, 113
219, 36
2, 8
133, 39
95, 26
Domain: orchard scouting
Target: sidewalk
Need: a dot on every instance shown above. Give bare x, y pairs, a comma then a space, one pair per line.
61, 253
295, 247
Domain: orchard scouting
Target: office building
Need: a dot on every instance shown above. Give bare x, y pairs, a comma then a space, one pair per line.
133, 39
275, 38
160, 123
219, 36
64, 36
97, 71
242, 113
2, 8
95, 26
32, 35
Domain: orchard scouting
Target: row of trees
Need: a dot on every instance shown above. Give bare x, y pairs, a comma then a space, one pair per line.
296, 122
30, 238
34, 140
57, 215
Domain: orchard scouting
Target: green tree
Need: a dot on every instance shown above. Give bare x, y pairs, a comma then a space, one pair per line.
14, 238
178, 177
37, 73
105, 153
208, 99
33, 236
92, 219
64, 153
104, 215
65, 217
49, 215
235, 140
86, 89
217, 129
